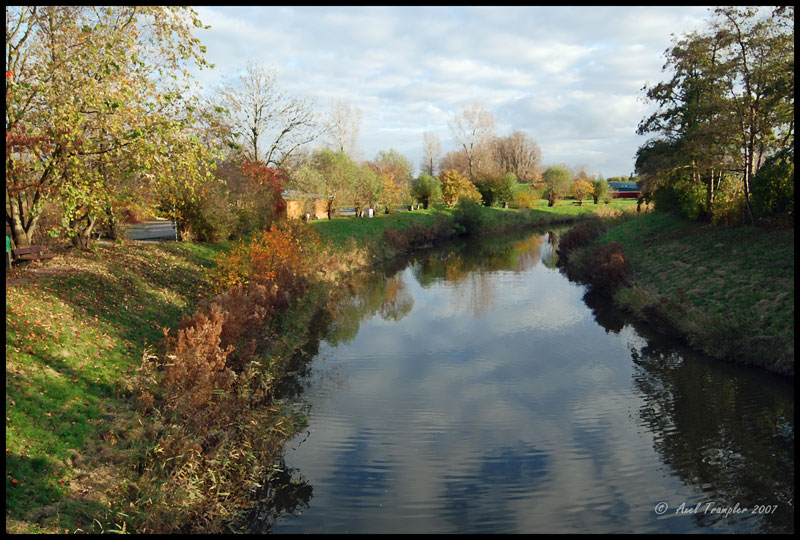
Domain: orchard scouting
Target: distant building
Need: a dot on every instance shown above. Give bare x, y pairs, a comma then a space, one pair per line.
299, 204
625, 190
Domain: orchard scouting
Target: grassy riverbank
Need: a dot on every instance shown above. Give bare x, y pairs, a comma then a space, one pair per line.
76, 330
78, 444
342, 231
728, 291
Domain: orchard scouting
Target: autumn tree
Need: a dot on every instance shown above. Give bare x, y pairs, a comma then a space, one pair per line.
268, 123
456, 186
582, 189
455, 160
88, 91
394, 171
473, 129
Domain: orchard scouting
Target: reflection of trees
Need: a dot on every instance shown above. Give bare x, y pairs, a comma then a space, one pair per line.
467, 268
397, 302
476, 293
370, 294
605, 314
281, 494
721, 432
727, 431
518, 253
550, 254
528, 252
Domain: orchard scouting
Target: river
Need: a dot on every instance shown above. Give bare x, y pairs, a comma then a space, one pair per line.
476, 389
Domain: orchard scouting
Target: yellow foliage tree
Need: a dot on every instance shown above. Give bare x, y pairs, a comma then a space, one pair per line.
456, 186
581, 190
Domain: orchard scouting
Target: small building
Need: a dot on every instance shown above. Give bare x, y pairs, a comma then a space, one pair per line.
625, 190
299, 204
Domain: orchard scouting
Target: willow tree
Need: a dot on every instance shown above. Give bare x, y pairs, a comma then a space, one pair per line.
328, 174
89, 91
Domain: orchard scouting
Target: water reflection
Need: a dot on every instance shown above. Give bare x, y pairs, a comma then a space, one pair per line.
473, 389
730, 437
282, 494
726, 430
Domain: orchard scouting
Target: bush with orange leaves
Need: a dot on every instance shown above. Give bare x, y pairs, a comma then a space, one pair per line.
284, 253
215, 401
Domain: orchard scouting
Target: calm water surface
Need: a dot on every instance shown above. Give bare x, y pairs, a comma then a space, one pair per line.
476, 389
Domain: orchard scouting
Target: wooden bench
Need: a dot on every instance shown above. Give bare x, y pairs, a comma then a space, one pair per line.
33, 253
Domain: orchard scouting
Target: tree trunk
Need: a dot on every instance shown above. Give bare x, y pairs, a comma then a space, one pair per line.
746, 182
83, 237
113, 233
19, 236
710, 196
21, 232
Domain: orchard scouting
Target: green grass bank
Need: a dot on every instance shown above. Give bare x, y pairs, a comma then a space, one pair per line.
344, 232
76, 330
728, 291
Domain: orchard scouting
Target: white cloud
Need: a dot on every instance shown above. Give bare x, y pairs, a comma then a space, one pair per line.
568, 76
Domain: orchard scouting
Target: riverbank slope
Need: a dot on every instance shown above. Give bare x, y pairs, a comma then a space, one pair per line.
728, 291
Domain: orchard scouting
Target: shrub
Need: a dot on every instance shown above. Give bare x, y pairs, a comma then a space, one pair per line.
605, 212
215, 411
497, 188
467, 217
729, 208
580, 235
414, 236
198, 367
523, 199
773, 186
397, 238
283, 253
683, 198
607, 268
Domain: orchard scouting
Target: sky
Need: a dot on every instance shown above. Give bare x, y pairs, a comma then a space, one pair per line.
570, 77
